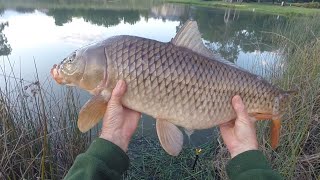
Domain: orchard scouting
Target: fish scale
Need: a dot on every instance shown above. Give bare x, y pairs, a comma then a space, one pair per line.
185, 99
180, 83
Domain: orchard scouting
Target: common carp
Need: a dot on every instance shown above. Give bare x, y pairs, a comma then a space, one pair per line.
179, 83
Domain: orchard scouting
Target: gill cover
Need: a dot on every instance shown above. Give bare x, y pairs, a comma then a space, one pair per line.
95, 71
85, 67
71, 68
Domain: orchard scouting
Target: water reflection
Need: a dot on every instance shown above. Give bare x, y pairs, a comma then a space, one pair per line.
227, 32
173, 12
105, 18
230, 32
5, 48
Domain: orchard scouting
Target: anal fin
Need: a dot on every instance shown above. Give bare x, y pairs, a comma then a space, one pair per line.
171, 138
188, 132
91, 113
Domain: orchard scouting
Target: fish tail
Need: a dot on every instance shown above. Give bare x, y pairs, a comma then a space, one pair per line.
280, 104
275, 132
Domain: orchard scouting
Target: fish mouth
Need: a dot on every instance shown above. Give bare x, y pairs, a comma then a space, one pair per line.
56, 75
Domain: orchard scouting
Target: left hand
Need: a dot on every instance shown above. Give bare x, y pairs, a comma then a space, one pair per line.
239, 135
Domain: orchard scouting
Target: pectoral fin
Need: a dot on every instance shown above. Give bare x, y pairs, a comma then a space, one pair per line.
171, 138
91, 113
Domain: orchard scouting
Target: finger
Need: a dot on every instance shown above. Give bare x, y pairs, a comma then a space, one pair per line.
240, 108
229, 124
224, 129
117, 93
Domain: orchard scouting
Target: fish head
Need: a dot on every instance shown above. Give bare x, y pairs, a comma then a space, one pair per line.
70, 70
85, 68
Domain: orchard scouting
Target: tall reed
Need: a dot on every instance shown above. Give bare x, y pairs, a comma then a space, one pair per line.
298, 157
38, 134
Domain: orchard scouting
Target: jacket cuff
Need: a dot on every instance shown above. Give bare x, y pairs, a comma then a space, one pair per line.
112, 155
248, 160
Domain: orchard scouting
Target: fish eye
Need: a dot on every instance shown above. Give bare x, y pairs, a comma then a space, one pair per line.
72, 57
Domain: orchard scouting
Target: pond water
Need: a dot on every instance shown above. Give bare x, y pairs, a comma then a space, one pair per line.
36, 32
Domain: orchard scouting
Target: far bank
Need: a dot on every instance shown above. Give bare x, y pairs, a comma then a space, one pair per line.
287, 10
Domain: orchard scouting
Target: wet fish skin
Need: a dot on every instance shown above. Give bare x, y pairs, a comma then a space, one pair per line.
183, 87
179, 83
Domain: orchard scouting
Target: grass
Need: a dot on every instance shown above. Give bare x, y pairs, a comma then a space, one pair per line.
39, 137
308, 5
267, 8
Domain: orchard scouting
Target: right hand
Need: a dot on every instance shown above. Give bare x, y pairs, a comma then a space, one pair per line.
239, 135
119, 123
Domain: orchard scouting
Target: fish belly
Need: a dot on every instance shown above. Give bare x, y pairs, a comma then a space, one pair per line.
181, 86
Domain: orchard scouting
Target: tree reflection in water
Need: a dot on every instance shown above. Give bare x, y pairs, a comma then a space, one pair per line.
5, 48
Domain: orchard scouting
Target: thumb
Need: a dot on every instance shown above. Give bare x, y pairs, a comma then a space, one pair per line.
117, 93
240, 108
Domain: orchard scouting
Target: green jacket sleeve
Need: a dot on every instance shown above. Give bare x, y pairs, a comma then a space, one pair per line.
103, 160
251, 165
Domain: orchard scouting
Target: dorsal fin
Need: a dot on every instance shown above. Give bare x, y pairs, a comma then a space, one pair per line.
189, 37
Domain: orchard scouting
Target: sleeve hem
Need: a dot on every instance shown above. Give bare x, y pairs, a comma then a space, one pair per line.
112, 155
249, 160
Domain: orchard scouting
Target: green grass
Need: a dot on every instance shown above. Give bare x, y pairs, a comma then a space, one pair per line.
257, 7
39, 136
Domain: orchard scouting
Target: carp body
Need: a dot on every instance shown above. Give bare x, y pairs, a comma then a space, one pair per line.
179, 83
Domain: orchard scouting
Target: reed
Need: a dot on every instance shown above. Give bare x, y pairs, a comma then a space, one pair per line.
38, 133
298, 155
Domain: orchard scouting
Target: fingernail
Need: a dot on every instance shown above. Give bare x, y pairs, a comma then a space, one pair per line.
119, 85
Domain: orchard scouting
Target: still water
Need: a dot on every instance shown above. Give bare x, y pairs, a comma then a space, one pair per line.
42, 35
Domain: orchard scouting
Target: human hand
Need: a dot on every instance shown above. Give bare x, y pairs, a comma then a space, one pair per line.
239, 135
119, 123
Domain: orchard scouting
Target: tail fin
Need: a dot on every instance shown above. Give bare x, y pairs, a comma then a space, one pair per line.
280, 104
275, 133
